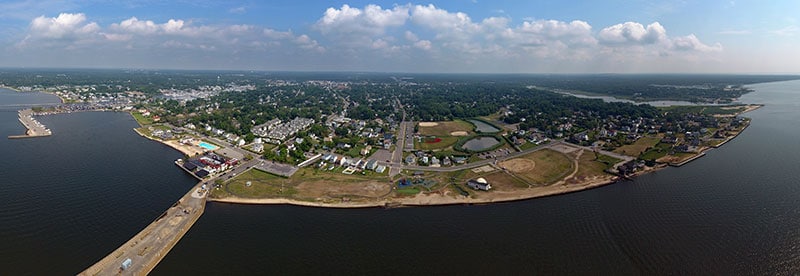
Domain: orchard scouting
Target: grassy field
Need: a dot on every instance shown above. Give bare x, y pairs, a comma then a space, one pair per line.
407, 191
494, 117
638, 147
723, 110
262, 185
141, 119
610, 161
708, 110
445, 128
447, 141
502, 181
550, 167
307, 183
528, 145
589, 167
660, 150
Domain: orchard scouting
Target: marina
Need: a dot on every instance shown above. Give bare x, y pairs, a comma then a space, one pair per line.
34, 127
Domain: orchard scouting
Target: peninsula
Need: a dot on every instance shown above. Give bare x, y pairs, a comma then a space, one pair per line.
411, 140
390, 142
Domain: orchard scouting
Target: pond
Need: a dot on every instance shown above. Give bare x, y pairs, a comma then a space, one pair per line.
481, 143
483, 127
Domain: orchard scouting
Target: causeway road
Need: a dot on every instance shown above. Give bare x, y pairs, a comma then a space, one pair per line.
146, 249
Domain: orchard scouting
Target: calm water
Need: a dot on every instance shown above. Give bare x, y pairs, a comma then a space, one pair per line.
480, 143
610, 99
71, 198
76, 197
483, 127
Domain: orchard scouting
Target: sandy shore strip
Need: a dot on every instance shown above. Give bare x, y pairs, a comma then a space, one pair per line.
10, 88
752, 107
185, 149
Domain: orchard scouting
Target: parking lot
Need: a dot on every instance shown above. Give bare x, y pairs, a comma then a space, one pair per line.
276, 168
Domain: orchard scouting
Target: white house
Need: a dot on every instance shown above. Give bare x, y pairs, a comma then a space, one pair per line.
479, 184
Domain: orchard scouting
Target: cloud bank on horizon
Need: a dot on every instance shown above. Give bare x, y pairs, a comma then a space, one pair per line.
406, 38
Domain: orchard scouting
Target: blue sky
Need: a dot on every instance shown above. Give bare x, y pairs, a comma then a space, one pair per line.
445, 36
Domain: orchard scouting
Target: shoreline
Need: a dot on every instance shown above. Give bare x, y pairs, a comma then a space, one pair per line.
10, 88
33, 91
437, 199
422, 200
172, 144
54, 94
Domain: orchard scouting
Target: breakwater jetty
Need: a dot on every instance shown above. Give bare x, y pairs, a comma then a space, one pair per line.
35, 129
140, 254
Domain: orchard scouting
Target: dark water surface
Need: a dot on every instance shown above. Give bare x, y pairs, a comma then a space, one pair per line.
71, 199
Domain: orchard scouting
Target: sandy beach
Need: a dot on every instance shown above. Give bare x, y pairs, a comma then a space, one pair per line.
187, 150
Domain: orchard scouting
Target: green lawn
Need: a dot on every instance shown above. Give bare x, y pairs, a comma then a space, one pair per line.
446, 142
638, 147
141, 119
407, 191
660, 150
262, 185
444, 128
607, 159
527, 145
551, 166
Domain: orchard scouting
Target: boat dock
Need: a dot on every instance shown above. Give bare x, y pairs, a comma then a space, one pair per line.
35, 129
140, 254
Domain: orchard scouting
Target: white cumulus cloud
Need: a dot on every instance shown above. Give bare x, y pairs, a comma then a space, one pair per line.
633, 33
65, 25
372, 20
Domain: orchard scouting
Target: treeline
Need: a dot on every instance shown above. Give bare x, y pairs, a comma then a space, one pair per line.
539, 109
114, 81
693, 88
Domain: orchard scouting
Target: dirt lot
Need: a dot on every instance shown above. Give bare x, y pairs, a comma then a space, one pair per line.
325, 188
518, 165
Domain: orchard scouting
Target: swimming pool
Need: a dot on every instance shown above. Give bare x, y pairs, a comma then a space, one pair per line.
207, 146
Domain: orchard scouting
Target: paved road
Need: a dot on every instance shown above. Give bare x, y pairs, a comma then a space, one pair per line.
409, 146
397, 154
625, 158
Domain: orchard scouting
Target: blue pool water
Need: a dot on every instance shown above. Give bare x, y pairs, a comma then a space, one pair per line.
207, 146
